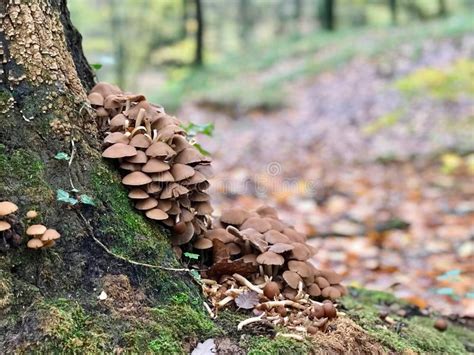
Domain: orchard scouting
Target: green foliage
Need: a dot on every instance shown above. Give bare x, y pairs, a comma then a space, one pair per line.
64, 196
418, 334
447, 84
96, 66
192, 256
62, 156
261, 345
193, 129
86, 200
385, 121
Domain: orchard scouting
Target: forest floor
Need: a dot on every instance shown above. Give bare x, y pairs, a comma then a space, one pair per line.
374, 160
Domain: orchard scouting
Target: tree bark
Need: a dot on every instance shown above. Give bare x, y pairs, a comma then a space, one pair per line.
44, 78
327, 14
393, 11
198, 55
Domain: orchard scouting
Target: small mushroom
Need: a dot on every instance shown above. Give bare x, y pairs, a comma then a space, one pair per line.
36, 230
136, 178
271, 290
7, 207
119, 150
31, 214
234, 216
34, 243
269, 259
49, 235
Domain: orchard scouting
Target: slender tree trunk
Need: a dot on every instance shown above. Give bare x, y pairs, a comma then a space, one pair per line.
442, 8
246, 22
327, 14
184, 19
393, 11
44, 78
198, 55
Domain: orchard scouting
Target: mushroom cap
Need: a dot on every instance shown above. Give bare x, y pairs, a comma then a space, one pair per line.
140, 158
136, 178
233, 248
271, 290
235, 216
270, 258
292, 279
294, 235
7, 207
140, 141
203, 208
165, 205
322, 282
202, 243
155, 166
197, 178
153, 187
173, 190
34, 243
95, 99
257, 223
160, 149
117, 137
314, 290
267, 211
181, 171
119, 150
199, 196
4, 226
146, 204
275, 224
164, 176
118, 121
300, 252
36, 229
274, 237
189, 156
280, 248
50, 234
179, 143
130, 166
220, 234
300, 267
205, 170
250, 258
105, 89
332, 277
137, 194
156, 214
185, 237
331, 292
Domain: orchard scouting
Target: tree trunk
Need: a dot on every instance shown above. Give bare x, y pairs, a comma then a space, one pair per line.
198, 56
184, 19
327, 14
442, 9
393, 11
48, 297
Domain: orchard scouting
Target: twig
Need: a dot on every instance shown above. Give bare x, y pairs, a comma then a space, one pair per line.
108, 251
249, 321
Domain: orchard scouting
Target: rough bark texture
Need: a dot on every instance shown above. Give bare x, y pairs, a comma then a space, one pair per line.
44, 79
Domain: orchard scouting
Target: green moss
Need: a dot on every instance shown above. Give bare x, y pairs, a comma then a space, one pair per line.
22, 174
68, 329
261, 345
415, 333
6, 100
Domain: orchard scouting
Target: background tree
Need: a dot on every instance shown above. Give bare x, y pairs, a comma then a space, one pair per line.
326, 14
198, 55
393, 11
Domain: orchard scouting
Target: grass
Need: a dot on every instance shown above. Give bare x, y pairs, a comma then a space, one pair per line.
257, 78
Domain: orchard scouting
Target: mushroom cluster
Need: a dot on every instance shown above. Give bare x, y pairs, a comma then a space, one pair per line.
165, 174
40, 235
7, 223
300, 314
276, 250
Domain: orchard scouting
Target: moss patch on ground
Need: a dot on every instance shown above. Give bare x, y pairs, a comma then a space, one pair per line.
260, 345
414, 333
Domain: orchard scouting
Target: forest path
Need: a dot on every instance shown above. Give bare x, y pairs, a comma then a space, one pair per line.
352, 155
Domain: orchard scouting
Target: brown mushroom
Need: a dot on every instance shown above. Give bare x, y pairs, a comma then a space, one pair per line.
300, 267
160, 149
36, 230
139, 158
234, 216
271, 290
34, 243
146, 204
119, 150
7, 207
280, 248
292, 279
4, 226
155, 166
156, 214
137, 194
274, 237
50, 234
257, 223
31, 214
269, 259
181, 172
136, 178
202, 243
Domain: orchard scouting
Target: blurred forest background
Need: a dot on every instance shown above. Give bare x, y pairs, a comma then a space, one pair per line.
355, 118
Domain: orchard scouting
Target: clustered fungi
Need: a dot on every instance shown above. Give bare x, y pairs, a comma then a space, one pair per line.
165, 174
253, 258
276, 250
41, 237
8, 223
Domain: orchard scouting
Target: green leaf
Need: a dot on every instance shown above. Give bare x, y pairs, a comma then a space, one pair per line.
201, 149
192, 129
96, 66
87, 200
191, 256
195, 274
62, 156
63, 196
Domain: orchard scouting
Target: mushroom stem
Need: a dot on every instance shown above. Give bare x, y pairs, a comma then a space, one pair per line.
127, 105
250, 321
148, 126
139, 118
136, 129
224, 301
268, 270
209, 282
272, 304
247, 283
275, 270
155, 136
247, 249
209, 310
